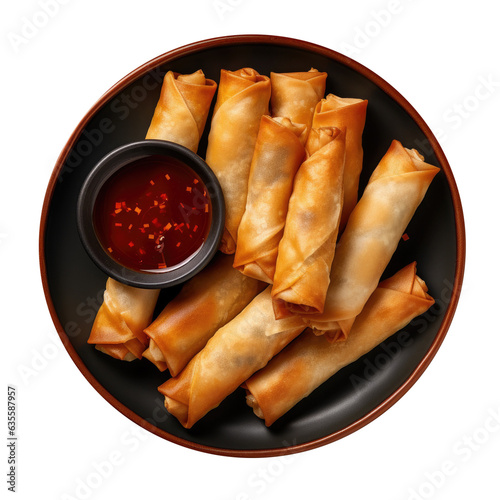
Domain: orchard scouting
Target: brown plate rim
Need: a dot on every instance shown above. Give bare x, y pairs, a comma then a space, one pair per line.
383, 85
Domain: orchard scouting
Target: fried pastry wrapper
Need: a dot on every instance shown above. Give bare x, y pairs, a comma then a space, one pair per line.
154, 354
277, 156
334, 111
295, 95
307, 248
180, 116
394, 191
231, 356
182, 109
206, 302
242, 99
120, 321
310, 360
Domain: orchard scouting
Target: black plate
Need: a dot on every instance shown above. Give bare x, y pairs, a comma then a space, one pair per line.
360, 392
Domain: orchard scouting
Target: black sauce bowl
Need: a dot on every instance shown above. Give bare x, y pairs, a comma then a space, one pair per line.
110, 165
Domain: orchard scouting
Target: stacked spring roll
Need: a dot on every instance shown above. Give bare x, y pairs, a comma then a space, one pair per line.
340, 112
295, 95
277, 156
310, 360
394, 191
307, 248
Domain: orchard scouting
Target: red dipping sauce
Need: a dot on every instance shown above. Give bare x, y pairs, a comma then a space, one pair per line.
153, 215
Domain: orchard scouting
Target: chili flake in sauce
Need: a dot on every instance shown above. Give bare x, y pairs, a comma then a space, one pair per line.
153, 215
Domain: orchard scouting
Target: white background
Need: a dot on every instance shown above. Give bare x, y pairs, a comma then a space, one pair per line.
440, 441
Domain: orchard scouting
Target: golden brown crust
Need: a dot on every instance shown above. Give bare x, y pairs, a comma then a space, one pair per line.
182, 109
206, 303
277, 156
307, 248
154, 354
232, 355
396, 188
340, 112
295, 95
242, 99
310, 360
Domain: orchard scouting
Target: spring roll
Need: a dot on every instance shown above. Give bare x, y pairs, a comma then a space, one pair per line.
182, 109
242, 99
120, 321
295, 95
231, 356
277, 156
307, 248
394, 191
311, 360
334, 111
206, 302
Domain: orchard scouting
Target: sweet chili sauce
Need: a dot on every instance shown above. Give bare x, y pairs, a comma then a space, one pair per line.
153, 214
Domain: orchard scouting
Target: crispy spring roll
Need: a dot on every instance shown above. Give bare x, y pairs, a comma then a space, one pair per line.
311, 360
182, 109
121, 319
277, 156
307, 248
206, 302
242, 99
394, 191
295, 95
334, 111
231, 356
319, 137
